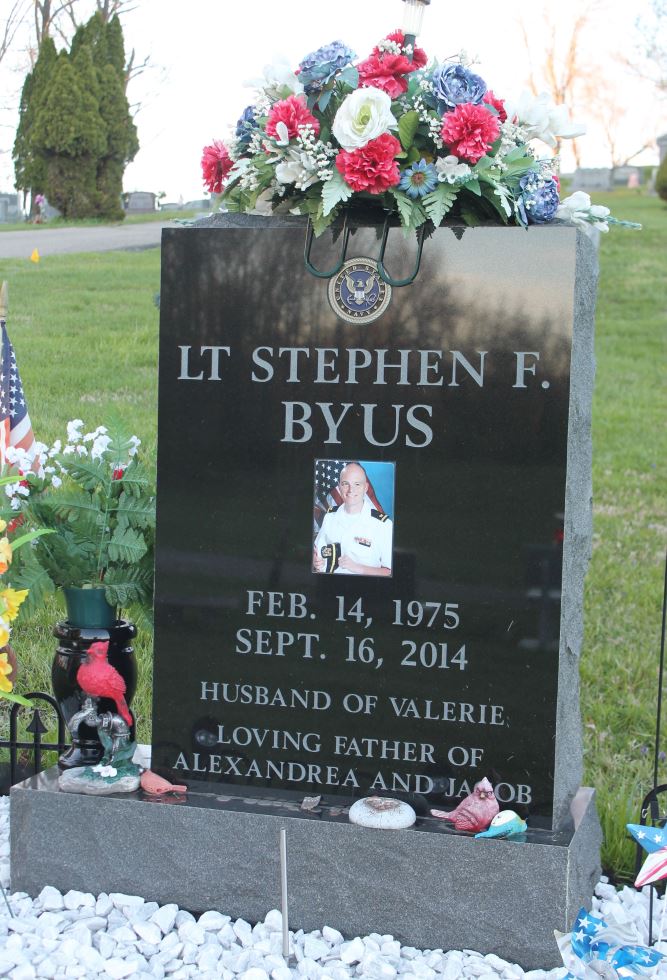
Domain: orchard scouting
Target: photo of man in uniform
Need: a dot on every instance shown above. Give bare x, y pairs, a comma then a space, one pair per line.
355, 537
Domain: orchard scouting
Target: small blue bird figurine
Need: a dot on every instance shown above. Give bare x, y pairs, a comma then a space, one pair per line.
507, 823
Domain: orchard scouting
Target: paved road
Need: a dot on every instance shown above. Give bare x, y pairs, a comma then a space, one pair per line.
57, 241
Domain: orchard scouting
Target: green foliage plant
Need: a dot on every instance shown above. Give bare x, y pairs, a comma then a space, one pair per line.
97, 498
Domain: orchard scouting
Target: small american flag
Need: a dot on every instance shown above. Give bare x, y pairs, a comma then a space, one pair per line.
15, 426
327, 475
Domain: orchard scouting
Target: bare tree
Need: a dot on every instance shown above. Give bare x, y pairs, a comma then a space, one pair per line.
11, 23
608, 117
650, 59
48, 15
562, 70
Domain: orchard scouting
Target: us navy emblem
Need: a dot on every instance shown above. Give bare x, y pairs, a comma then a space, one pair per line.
358, 293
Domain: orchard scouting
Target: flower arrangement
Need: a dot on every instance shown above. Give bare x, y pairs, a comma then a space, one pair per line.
427, 141
97, 499
10, 602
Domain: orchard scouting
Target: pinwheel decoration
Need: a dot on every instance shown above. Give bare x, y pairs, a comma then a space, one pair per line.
654, 868
595, 949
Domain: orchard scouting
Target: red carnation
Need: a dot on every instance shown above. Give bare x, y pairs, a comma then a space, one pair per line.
371, 167
387, 71
215, 165
419, 58
497, 104
469, 130
294, 112
118, 473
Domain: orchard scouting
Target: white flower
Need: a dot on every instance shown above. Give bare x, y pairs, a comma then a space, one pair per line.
132, 451
105, 771
364, 115
99, 446
577, 209
55, 448
282, 134
74, 430
90, 436
56, 482
544, 120
275, 77
450, 169
298, 168
82, 451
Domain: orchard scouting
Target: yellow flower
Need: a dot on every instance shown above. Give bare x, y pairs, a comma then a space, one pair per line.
5, 667
3, 525
5, 554
12, 599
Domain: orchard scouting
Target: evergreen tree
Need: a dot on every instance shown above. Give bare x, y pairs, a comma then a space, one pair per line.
122, 143
71, 135
104, 41
76, 133
29, 164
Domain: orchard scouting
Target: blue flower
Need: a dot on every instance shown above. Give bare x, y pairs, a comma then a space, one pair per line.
453, 85
419, 179
320, 66
246, 124
539, 199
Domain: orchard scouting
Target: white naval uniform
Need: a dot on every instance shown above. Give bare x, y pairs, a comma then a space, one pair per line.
363, 537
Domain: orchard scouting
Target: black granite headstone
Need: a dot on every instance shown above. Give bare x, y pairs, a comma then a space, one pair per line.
281, 673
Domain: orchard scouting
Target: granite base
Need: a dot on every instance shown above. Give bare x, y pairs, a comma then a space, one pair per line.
427, 886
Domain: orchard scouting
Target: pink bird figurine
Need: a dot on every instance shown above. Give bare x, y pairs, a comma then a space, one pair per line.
476, 812
157, 786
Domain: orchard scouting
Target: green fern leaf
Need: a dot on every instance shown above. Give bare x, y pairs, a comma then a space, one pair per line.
439, 202
135, 512
88, 473
127, 545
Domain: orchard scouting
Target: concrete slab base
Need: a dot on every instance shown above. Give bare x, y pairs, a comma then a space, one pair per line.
427, 886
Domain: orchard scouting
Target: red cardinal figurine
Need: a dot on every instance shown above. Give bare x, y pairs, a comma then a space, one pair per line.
156, 785
98, 678
476, 812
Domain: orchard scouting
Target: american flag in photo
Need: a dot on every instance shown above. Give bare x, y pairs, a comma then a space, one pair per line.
15, 425
327, 476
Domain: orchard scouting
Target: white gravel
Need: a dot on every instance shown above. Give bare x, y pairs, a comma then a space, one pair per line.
116, 936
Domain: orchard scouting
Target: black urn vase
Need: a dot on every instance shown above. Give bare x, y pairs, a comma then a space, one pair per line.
73, 643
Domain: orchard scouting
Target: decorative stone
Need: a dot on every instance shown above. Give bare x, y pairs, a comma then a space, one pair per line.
76, 900
82, 779
51, 899
148, 931
352, 952
118, 969
332, 936
274, 921
382, 813
165, 917
314, 948
212, 920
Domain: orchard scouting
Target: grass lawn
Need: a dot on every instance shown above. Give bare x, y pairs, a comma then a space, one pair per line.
85, 330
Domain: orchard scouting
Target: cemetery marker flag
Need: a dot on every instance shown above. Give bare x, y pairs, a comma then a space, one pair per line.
15, 425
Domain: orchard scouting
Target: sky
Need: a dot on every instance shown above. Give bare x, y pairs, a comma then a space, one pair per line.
202, 52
